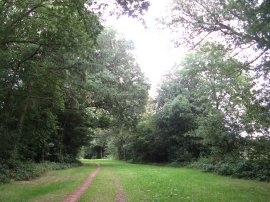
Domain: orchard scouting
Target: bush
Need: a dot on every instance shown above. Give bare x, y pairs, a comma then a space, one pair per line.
224, 168
239, 168
205, 164
252, 169
17, 170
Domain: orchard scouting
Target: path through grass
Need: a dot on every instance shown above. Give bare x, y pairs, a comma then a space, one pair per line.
139, 183
160, 183
53, 186
103, 188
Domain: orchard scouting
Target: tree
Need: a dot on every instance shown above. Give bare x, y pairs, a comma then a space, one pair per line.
242, 24
133, 8
175, 122
219, 95
53, 81
118, 87
36, 37
243, 27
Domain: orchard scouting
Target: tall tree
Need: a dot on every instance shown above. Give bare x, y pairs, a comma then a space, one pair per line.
243, 24
118, 87
36, 38
218, 91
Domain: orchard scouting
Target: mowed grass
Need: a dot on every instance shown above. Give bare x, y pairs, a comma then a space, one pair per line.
103, 188
161, 183
139, 183
53, 186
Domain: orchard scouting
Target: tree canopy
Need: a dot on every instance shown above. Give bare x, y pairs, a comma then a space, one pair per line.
58, 75
71, 87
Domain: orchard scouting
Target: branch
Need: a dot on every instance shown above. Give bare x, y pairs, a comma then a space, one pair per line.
242, 49
24, 15
201, 40
22, 42
29, 57
256, 58
13, 24
4, 3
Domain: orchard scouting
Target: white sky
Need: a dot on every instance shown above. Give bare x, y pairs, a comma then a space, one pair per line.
154, 50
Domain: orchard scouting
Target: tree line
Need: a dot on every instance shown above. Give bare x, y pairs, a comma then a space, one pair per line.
70, 87
212, 109
62, 76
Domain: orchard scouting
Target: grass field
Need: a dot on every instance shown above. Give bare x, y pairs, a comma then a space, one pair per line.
53, 186
139, 183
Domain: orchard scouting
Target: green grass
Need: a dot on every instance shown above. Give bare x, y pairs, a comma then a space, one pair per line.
53, 186
139, 182
161, 183
103, 187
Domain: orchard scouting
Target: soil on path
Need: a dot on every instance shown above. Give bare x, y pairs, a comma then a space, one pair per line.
75, 196
120, 196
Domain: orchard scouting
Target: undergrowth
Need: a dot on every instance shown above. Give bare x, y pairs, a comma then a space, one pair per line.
241, 168
15, 170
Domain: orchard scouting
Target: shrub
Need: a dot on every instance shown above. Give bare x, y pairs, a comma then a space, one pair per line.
239, 168
17, 170
224, 168
205, 164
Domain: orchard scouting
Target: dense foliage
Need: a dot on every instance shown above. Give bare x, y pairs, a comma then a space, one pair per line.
212, 109
206, 109
69, 87
42, 48
61, 78
214, 106
121, 92
17, 170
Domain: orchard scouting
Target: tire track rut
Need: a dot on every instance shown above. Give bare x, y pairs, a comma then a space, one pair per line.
75, 196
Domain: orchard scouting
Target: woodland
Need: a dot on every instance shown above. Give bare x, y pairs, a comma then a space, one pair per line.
71, 88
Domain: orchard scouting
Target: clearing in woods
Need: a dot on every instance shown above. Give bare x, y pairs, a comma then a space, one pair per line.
120, 181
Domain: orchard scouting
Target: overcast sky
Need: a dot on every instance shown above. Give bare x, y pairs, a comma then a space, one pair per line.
154, 50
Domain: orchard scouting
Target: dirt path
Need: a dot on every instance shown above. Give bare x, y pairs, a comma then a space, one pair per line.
120, 196
75, 196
